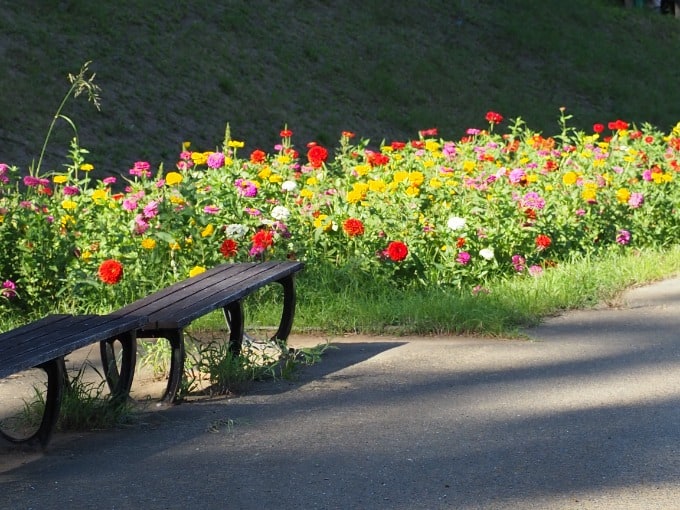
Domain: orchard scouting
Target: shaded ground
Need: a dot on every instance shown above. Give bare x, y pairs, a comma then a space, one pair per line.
586, 414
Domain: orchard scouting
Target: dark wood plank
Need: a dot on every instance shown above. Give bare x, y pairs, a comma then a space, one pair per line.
57, 336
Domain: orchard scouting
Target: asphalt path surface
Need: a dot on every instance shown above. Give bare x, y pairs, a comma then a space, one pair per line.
584, 414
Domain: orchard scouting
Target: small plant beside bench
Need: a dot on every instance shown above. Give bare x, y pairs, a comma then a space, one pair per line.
164, 314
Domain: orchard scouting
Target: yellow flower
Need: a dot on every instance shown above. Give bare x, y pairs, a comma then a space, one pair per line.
532, 178
469, 166
86, 255
2, 219
59, 179
264, 173
208, 230
312, 181
275, 178
323, 222
66, 220
196, 270
69, 205
400, 176
431, 145
412, 191
174, 246
148, 243
173, 178
435, 183
362, 170
177, 200
186, 145
622, 195
86, 167
569, 178
100, 194
416, 178
377, 185
305, 193
283, 159
354, 196
199, 158
234, 144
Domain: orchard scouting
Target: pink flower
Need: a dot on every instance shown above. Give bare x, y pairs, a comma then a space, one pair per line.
623, 237
151, 209
129, 204
109, 180
518, 263
71, 190
636, 200
535, 270
141, 169
211, 209
8, 290
463, 258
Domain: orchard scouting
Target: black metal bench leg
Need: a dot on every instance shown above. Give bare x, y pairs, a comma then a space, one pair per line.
233, 313
119, 380
178, 354
288, 313
56, 379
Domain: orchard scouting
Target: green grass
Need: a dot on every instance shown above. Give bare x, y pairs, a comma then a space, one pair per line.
172, 71
335, 303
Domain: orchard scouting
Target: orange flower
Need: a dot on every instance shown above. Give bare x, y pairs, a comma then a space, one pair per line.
353, 227
110, 271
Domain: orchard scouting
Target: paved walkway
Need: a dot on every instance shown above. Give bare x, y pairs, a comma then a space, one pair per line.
585, 415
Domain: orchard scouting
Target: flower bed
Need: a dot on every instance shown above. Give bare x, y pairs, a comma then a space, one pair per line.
416, 212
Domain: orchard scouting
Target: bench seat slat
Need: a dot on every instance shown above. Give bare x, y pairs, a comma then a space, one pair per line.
56, 336
178, 305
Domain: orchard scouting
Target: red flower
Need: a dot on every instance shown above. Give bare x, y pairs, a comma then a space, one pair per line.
353, 227
460, 242
494, 118
396, 251
598, 128
257, 156
229, 248
428, 132
110, 271
377, 158
617, 125
317, 155
398, 145
348, 134
543, 242
286, 133
262, 239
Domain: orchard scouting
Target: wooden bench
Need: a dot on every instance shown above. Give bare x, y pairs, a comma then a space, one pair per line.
164, 314
171, 309
44, 343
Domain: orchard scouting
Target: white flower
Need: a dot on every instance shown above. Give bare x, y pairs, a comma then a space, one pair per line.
289, 186
456, 223
486, 253
236, 230
280, 213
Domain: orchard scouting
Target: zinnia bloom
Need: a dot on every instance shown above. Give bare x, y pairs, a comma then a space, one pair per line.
463, 258
110, 271
623, 237
317, 155
229, 248
258, 156
262, 239
8, 290
216, 160
543, 242
353, 227
494, 118
396, 251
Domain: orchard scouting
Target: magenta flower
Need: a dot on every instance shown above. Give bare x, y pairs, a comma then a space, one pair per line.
151, 209
71, 190
31, 181
109, 180
129, 204
216, 160
623, 237
211, 209
517, 175
141, 225
141, 169
518, 263
532, 200
246, 188
463, 258
9, 289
